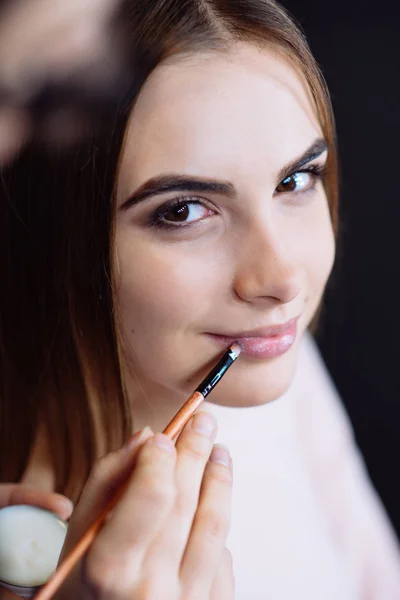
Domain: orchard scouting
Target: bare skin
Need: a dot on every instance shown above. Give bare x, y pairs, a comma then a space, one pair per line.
227, 262
262, 254
178, 501
14, 493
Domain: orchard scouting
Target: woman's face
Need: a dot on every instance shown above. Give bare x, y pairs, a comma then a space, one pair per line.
223, 229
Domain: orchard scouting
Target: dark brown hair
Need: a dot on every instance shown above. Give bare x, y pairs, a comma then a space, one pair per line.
59, 365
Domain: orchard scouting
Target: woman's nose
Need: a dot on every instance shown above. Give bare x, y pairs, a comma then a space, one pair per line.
267, 269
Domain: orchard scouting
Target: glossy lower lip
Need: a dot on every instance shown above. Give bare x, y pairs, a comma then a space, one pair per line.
268, 346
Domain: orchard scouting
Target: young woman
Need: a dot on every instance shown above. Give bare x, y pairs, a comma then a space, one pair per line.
205, 215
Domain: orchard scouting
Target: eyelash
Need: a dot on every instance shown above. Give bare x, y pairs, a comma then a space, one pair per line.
156, 219
318, 171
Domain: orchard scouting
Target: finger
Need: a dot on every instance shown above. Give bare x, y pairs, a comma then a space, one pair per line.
115, 559
16, 493
106, 477
193, 451
148, 498
224, 584
211, 525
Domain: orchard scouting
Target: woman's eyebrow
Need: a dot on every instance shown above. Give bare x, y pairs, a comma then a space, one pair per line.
163, 184
178, 183
316, 149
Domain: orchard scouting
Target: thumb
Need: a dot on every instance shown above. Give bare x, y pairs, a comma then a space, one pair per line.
17, 493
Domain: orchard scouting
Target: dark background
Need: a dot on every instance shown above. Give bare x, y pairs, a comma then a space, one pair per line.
358, 48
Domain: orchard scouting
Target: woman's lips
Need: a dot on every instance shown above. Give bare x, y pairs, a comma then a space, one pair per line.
267, 342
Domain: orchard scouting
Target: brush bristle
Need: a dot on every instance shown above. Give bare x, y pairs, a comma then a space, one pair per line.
236, 348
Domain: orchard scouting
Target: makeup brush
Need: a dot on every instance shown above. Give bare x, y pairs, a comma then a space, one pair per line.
172, 430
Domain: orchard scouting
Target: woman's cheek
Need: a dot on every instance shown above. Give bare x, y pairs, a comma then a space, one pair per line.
163, 289
162, 310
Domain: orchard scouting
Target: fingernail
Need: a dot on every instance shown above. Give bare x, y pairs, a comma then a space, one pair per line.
68, 505
205, 424
162, 441
220, 454
138, 438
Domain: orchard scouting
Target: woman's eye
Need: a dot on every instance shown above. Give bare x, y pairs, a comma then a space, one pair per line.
298, 182
183, 212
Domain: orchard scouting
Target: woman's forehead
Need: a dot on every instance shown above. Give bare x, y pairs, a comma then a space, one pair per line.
202, 111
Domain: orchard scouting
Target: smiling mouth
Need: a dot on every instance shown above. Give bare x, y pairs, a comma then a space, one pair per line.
266, 342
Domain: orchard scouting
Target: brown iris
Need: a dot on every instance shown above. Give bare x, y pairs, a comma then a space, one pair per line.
288, 184
177, 214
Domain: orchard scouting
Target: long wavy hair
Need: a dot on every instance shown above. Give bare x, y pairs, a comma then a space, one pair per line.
60, 372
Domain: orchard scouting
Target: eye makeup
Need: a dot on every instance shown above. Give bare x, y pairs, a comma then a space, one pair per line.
180, 207
316, 171
173, 182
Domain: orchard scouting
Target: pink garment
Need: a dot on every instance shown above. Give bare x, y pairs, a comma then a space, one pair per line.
307, 524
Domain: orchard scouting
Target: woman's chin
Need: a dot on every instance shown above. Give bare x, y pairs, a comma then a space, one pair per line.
253, 384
